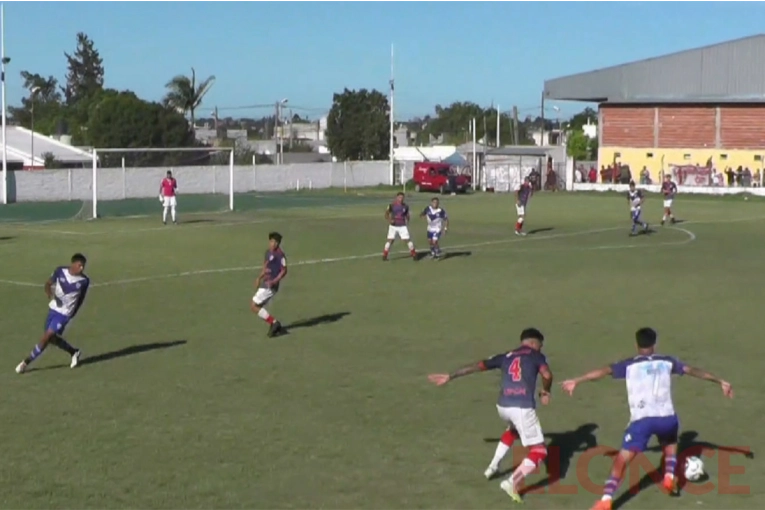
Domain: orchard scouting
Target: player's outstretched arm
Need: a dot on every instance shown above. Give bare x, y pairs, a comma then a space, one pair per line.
488, 364
569, 385
727, 389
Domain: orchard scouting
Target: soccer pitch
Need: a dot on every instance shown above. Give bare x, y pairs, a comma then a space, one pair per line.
182, 402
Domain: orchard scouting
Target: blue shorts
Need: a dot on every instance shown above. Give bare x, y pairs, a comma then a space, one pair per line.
56, 322
639, 432
636, 215
434, 236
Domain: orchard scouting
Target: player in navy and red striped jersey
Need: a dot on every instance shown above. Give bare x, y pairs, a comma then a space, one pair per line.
273, 272
669, 190
397, 215
516, 404
522, 196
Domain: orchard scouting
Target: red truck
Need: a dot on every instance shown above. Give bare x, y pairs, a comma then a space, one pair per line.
440, 177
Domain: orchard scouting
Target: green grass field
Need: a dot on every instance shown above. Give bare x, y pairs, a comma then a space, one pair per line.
184, 403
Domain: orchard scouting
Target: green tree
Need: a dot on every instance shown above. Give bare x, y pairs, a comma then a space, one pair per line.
586, 116
357, 125
580, 147
44, 98
85, 71
185, 95
122, 119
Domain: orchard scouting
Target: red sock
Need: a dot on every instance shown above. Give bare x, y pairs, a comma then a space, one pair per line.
270, 319
537, 454
518, 226
509, 437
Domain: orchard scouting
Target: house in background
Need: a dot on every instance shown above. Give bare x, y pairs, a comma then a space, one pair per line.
28, 150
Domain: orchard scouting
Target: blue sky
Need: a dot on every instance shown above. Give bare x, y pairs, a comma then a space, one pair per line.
261, 52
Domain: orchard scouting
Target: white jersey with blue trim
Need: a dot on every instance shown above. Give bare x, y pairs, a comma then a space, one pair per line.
649, 384
436, 217
68, 291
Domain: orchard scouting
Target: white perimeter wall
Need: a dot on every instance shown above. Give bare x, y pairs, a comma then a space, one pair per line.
118, 183
655, 188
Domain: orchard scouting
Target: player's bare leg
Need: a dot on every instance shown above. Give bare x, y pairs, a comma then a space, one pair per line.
519, 226
503, 447
668, 216
537, 455
622, 459
275, 327
412, 251
386, 250
669, 452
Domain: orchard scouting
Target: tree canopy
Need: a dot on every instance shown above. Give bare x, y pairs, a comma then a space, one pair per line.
99, 117
358, 125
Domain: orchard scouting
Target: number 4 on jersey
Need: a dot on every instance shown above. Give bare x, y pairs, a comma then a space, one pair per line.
515, 369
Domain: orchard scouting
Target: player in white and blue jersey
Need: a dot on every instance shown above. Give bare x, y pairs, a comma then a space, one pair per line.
438, 224
636, 198
66, 289
652, 412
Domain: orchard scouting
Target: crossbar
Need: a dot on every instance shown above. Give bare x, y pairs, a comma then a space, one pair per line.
171, 149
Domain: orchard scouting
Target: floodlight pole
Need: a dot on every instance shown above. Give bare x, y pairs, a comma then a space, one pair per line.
391, 120
3, 60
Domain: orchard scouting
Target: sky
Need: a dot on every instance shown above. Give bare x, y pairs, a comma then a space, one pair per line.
261, 52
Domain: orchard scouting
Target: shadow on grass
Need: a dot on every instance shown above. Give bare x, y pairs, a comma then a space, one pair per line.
539, 230
130, 351
197, 220
7, 238
455, 254
328, 318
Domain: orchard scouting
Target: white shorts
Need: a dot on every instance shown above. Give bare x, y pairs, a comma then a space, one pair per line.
263, 296
400, 232
525, 422
521, 210
668, 204
168, 201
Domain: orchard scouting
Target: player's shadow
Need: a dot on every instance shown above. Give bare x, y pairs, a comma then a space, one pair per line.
687, 445
198, 220
454, 254
327, 318
130, 351
540, 230
7, 238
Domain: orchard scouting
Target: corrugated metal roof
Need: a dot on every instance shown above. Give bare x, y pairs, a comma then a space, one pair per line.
520, 150
19, 142
724, 72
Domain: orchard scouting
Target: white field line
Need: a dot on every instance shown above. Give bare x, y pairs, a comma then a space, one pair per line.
691, 238
184, 227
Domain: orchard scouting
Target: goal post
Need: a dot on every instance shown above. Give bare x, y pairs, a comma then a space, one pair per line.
127, 179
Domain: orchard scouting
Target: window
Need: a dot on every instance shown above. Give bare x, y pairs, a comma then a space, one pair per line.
617, 154
758, 157
723, 157
649, 154
686, 157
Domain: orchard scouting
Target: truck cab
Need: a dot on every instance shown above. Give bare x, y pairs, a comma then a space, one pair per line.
439, 177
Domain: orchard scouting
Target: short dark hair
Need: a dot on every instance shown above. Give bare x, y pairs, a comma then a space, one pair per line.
79, 257
400, 194
169, 172
276, 236
532, 334
632, 183
646, 338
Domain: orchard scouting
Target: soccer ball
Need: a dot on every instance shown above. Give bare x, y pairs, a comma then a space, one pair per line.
694, 469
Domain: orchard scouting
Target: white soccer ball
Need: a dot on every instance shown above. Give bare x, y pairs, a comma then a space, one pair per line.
694, 469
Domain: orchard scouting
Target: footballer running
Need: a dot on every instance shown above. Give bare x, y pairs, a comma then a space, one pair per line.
516, 406
268, 281
669, 190
522, 196
635, 198
66, 290
438, 224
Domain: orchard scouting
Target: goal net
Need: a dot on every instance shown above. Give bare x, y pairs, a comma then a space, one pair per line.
125, 182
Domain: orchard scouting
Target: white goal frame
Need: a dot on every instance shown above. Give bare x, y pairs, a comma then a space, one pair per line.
97, 151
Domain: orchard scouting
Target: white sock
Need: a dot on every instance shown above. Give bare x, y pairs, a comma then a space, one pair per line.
263, 314
499, 454
172, 212
387, 246
520, 220
164, 214
664, 218
410, 244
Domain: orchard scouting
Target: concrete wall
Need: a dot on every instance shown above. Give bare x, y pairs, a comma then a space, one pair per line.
118, 183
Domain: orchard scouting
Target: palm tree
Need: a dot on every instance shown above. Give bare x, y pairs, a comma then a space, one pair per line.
185, 96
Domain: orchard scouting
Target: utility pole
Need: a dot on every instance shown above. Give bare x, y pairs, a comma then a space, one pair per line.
391, 120
215, 121
292, 132
498, 125
276, 132
542, 111
515, 126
